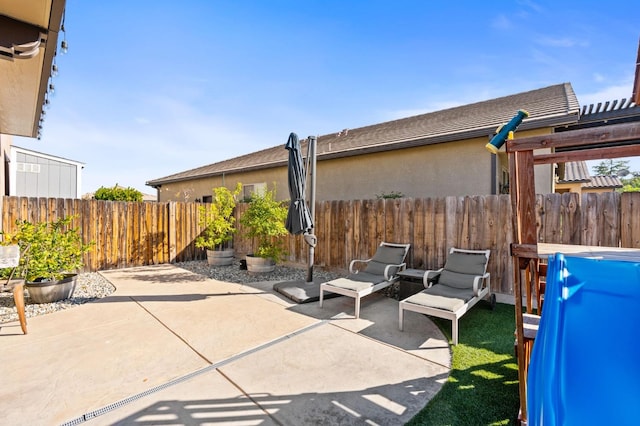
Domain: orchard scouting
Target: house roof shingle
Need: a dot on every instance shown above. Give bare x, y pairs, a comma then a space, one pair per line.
578, 172
604, 182
575, 172
550, 106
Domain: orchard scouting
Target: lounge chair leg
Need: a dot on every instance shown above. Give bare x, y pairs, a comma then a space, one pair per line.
401, 318
18, 298
357, 307
321, 294
454, 331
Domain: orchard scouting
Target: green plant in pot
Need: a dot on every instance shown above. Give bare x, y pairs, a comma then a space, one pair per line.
264, 221
218, 222
55, 253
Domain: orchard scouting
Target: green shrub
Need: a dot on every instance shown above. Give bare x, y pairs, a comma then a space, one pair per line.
392, 194
51, 249
217, 218
265, 220
118, 193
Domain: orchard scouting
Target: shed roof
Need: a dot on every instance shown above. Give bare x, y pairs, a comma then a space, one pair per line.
48, 156
550, 106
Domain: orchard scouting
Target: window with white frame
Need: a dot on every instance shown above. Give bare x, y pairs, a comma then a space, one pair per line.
254, 188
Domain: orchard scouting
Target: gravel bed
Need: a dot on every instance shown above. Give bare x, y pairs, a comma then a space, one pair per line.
89, 286
92, 286
233, 273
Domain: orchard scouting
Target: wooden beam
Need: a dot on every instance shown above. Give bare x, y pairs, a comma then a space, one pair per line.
626, 133
635, 96
585, 154
522, 182
525, 196
529, 251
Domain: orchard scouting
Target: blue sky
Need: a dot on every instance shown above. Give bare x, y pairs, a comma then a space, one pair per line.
152, 88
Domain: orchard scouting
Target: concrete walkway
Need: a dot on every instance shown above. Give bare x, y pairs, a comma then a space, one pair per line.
172, 347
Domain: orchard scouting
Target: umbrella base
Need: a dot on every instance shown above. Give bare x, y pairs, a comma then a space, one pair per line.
301, 291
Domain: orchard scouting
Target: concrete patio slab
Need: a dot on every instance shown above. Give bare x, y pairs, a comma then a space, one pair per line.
331, 376
84, 358
208, 398
216, 319
194, 350
222, 326
167, 280
379, 320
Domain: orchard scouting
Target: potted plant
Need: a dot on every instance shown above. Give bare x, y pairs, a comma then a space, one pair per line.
55, 252
218, 221
264, 221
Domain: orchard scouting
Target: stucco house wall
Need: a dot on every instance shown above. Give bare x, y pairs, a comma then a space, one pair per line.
455, 168
568, 187
198, 188
597, 190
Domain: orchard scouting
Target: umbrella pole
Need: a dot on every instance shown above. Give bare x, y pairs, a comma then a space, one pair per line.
311, 154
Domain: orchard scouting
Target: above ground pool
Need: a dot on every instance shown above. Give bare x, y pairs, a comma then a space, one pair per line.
585, 362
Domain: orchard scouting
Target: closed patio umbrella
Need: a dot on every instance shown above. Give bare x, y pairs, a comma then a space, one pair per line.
299, 218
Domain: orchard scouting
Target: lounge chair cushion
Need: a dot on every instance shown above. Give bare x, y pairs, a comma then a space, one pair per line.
442, 297
357, 282
385, 256
461, 269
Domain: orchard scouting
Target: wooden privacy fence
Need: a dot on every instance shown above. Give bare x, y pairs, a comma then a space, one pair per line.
130, 234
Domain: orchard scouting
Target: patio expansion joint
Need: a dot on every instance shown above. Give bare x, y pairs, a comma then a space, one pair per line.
172, 332
212, 367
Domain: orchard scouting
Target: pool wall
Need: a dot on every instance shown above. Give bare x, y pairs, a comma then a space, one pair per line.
585, 362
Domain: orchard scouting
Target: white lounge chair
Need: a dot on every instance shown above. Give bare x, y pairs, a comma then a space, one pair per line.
10, 258
454, 289
379, 272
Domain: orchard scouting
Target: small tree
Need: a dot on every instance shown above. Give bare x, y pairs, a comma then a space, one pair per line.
631, 185
118, 193
265, 220
620, 168
54, 248
612, 168
217, 219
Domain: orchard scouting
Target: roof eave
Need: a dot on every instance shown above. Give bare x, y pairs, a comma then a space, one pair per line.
550, 121
31, 89
156, 183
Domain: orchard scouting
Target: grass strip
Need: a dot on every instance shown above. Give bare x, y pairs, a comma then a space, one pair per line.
483, 386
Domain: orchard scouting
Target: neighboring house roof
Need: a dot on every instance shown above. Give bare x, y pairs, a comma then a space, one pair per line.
578, 172
604, 182
575, 172
550, 106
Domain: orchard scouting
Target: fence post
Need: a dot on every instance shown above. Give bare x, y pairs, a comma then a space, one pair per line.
172, 231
